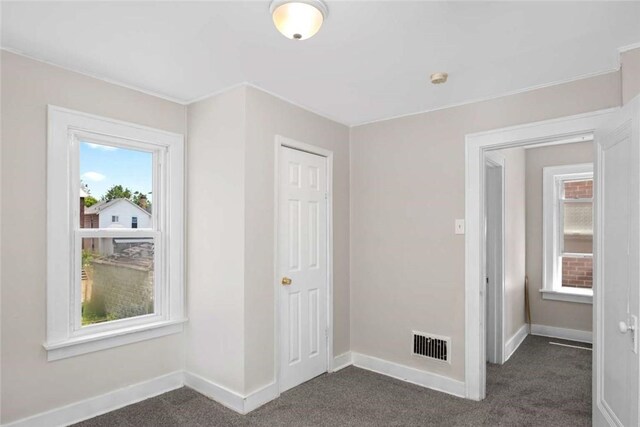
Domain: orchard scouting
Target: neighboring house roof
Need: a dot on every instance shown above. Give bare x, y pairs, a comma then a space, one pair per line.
100, 206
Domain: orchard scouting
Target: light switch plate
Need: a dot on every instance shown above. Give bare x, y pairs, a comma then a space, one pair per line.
459, 226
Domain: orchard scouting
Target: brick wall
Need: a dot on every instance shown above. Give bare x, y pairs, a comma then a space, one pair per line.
578, 189
577, 272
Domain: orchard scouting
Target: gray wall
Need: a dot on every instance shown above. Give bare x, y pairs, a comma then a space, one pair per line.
407, 187
560, 314
30, 384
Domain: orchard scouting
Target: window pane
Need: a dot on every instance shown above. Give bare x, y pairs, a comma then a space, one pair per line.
115, 186
577, 272
578, 227
581, 189
117, 278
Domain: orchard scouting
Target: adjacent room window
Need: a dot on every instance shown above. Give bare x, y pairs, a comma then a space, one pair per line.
109, 284
568, 232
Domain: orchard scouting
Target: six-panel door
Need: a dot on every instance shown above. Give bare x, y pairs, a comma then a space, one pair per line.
302, 265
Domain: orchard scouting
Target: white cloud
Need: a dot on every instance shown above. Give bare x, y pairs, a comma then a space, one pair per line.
93, 176
100, 147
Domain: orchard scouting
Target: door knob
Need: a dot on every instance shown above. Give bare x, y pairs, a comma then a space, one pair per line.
630, 325
624, 328
286, 281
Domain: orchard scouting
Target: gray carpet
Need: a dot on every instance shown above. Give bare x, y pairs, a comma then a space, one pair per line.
541, 385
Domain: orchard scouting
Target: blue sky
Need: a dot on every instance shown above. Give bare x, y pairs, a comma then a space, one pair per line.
102, 167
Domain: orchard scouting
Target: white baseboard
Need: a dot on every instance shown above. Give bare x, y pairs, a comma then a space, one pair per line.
408, 374
116, 399
104, 403
220, 394
94, 406
232, 400
261, 396
342, 361
562, 333
514, 342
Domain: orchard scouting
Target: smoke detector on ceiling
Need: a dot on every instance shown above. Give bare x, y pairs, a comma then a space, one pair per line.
439, 78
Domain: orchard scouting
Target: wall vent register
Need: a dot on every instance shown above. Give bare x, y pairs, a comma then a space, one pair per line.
431, 346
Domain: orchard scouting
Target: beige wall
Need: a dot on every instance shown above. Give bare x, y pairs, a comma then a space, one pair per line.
215, 255
630, 74
407, 187
230, 339
515, 240
560, 314
403, 270
30, 384
268, 116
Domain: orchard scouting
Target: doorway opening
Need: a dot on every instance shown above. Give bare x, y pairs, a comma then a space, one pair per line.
538, 244
478, 322
612, 194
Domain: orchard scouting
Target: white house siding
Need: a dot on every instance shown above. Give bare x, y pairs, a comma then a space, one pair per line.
125, 211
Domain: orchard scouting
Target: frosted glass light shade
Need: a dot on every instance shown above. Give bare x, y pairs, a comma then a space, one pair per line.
298, 20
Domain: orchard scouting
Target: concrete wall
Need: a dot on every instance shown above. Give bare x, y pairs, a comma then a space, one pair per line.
407, 187
30, 384
560, 314
122, 290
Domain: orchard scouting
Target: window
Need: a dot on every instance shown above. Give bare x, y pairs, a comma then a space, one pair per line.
568, 233
112, 285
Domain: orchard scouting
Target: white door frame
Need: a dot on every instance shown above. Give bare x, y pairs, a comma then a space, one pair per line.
281, 141
576, 128
498, 321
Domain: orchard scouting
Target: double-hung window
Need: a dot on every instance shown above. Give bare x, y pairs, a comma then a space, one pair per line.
568, 233
114, 284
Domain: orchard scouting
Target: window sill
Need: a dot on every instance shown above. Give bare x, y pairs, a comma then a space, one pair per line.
584, 296
104, 340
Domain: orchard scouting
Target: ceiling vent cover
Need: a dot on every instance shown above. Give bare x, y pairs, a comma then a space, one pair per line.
432, 346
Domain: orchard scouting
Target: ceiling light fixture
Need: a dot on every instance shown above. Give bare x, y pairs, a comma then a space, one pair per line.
299, 19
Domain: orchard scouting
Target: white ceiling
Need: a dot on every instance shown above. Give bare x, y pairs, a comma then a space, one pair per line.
371, 60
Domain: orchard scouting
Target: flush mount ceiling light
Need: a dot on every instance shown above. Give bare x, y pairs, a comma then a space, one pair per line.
298, 19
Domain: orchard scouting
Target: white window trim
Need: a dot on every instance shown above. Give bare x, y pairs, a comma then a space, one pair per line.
64, 337
552, 245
